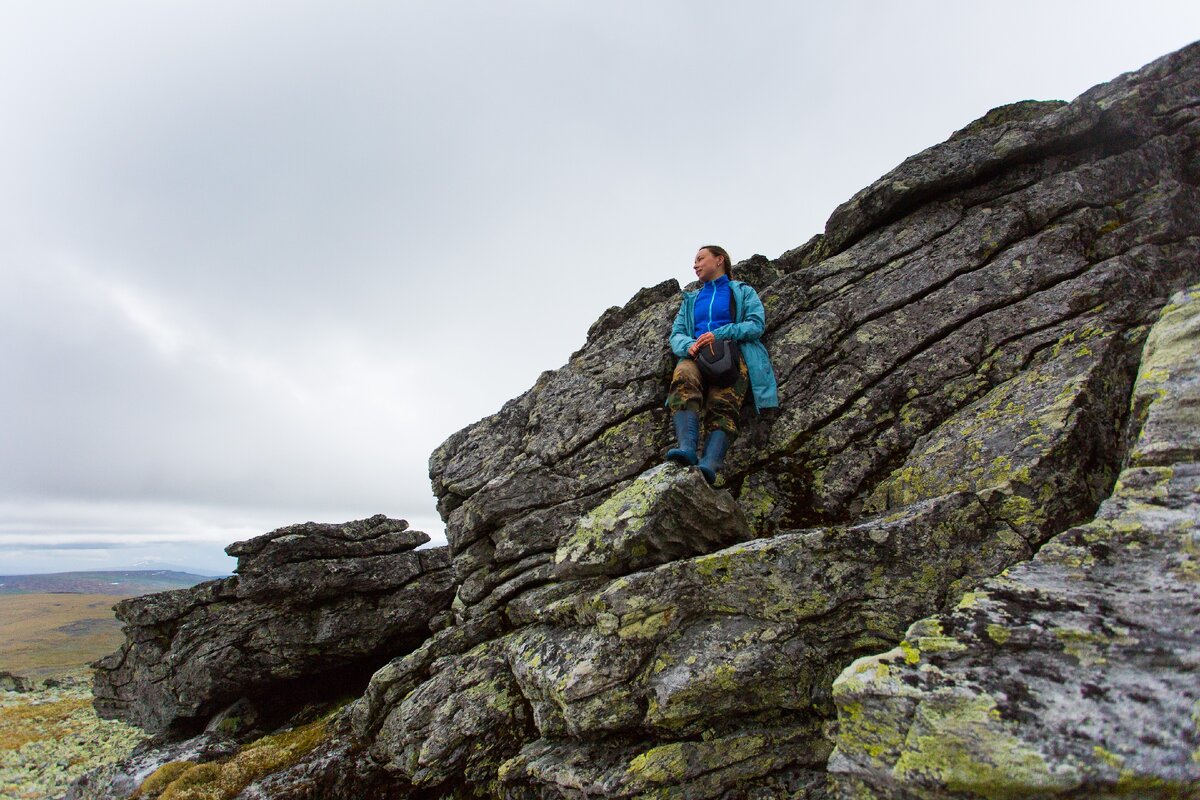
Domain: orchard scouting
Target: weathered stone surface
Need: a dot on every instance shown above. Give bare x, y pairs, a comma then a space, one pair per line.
956, 356
399, 677
317, 560
1074, 674
10, 682
121, 779
295, 625
461, 723
942, 281
1166, 399
674, 769
335, 769
666, 514
1032, 448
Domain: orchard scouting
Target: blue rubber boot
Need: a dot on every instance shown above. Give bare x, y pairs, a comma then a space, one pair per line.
714, 454
687, 433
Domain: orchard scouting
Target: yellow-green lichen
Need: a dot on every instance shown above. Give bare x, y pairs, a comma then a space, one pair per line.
998, 633
870, 671
971, 599
961, 744
1108, 757
664, 764
1131, 783
725, 677
881, 737
1154, 375
627, 509
645, 626
758, 504
675, 762
940, 644
1088, 647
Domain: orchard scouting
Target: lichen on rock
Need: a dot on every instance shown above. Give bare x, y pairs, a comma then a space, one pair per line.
667, 513
963, 550
1073, 674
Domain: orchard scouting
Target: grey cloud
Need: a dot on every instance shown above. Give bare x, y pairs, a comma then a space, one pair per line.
96, 545
327, 212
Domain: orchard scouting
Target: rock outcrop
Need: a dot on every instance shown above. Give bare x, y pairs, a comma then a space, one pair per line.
1075, 673
10, 682
965, 369
956, 356
312, 610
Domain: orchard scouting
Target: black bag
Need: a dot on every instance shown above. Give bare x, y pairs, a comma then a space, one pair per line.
719, 362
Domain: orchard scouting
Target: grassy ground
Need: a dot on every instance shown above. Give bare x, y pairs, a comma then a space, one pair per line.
50, 737
43, 635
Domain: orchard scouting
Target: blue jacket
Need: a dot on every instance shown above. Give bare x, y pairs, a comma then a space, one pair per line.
751, 322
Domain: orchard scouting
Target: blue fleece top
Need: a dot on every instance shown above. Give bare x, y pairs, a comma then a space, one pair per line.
712, 306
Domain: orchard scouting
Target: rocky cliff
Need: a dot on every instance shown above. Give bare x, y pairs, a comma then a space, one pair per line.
311, 607
960, 562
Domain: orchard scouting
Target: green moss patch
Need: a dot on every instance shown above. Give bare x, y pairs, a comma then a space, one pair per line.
222, 780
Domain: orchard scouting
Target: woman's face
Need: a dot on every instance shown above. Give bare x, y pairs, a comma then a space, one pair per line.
708, 267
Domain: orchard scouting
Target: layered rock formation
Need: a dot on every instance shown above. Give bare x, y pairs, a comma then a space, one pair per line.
311, 607
1075, 673
957, 357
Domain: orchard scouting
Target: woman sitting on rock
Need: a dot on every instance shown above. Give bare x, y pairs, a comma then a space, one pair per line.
721, 312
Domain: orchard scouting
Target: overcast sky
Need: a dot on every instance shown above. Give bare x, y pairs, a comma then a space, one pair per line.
254, 255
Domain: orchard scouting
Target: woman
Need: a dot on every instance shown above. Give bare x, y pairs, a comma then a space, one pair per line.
704, 317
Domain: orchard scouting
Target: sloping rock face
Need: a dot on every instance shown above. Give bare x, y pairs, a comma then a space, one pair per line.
312, 607
1074, 674
956, 357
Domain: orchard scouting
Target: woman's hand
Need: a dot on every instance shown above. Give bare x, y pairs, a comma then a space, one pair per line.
705, 338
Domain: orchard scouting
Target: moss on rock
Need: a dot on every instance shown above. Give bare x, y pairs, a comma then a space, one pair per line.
223, 780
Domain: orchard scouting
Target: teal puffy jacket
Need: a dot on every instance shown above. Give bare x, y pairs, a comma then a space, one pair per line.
746, 331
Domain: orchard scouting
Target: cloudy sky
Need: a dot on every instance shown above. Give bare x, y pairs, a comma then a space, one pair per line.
256, 256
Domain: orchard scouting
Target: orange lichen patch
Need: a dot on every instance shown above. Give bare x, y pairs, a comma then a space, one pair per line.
161, 778
222, 780
36, 721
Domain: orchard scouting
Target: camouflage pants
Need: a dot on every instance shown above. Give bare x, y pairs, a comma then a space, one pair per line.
722, 406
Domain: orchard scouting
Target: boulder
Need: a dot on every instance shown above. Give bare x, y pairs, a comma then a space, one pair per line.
666, 514
11, 682
312, 611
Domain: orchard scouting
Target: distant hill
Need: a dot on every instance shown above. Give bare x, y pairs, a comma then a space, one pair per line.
124, 583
